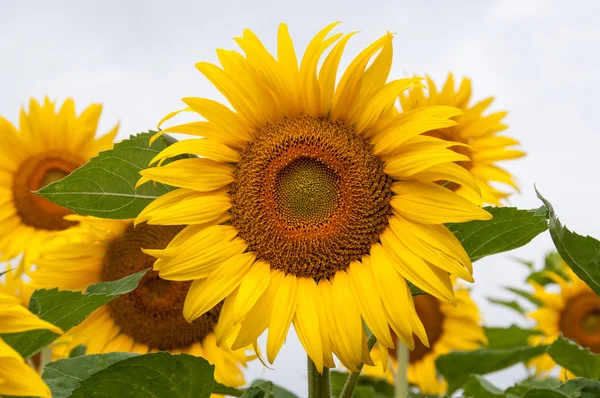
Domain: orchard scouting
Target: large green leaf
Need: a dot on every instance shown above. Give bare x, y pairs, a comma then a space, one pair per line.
581, 253
105, 186
512, 336
477, 386
154, 375
65, 375
571, 356
66, 309
510, 228
456, 367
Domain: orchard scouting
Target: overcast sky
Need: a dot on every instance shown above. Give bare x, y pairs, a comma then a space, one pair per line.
540, 59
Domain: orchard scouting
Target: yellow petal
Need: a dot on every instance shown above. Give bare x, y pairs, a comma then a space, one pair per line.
200, 256
328, 73
226, 325
307, 323
284, 308
429, 203
257, 319
404, 230
197, 174
206, 293
425, 276
449, 172
253, 285
17, 378
206, 148
197, 208
369, 301
348, 320
223, 118
392, 289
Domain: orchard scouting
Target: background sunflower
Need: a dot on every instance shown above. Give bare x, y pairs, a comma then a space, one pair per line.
449, 328
478, 131
47, 146
574, 311
148, 319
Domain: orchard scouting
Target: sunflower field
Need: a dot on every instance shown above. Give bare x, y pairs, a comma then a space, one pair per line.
322, 198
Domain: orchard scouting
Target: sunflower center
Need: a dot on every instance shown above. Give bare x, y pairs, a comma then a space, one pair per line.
430, 313
306, 192
310, 196
34, 174
152, 314
580, 320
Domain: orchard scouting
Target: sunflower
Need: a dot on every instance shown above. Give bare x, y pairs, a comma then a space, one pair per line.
312, 204
574, 312
448, 329
47, 146
16, 377
146, 320
484, 147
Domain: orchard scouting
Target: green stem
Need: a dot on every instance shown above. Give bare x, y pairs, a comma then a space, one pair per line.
353, 378
319, 385
401, 374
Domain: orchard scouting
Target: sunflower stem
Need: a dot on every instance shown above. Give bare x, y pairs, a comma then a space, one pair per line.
401, 374
319, 385
352, 380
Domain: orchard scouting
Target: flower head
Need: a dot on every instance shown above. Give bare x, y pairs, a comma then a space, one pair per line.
313, 202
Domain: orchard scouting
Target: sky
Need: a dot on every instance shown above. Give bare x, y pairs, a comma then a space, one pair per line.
538, 58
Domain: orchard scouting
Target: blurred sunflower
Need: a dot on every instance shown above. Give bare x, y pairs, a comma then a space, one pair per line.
574, 312
149, 318
16, 377
484, 147
449, 328
313, 203
47, 146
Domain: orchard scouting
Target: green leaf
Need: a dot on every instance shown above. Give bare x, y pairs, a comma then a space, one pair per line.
581, 388
571, 356
512, 336
456, 367
65, 375
581, 253
273, 390
255, 392
510, 228
477, 386
77, 351
531, 383
526, 295
546, 393
553, 263
154, 375
221, 389
105, 186
66, 309
512, 304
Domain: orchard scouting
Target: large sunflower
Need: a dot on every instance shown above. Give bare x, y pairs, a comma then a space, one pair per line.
47, 146
146, 320
313, 203
574, 311
478, 131
16, 377
449, 328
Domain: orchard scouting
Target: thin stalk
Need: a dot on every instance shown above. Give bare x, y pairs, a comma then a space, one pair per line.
353, 378
401, 374
319, 385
